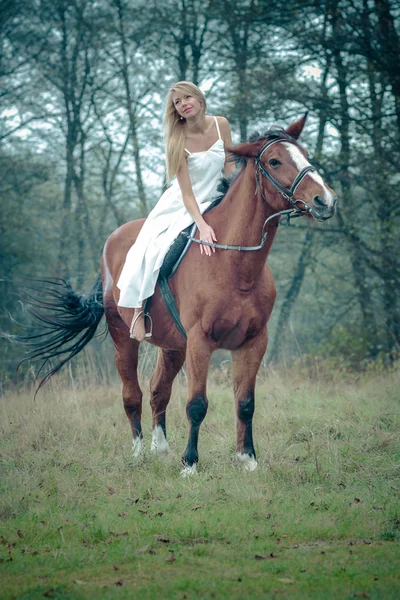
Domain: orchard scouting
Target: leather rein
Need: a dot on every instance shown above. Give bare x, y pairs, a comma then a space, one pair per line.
287, 193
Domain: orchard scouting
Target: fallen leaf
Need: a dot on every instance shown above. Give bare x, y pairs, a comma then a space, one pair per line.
119, 582
197, 507
170, 558
159, 514
378, 507
260, 556
115, 568
143, 550
20, 534
162, 539
122, 515
49, 593
287, 580
355, 502
111, 490
118, 534
79, 582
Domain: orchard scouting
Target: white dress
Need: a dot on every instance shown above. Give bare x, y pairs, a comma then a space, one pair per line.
167, 219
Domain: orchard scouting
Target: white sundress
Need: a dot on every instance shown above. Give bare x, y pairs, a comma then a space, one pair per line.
167, 219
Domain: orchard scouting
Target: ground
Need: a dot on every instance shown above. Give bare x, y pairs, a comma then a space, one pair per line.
319, 518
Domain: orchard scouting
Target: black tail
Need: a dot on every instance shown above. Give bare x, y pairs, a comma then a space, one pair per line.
68, 318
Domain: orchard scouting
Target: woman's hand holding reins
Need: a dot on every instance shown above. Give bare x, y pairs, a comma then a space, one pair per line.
207, 235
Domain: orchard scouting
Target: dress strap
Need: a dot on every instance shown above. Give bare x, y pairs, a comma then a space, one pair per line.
217, 126
186, 150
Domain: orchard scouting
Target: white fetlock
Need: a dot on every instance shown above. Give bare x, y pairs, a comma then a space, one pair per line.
159, 444
138, 449
248, 462
189, 471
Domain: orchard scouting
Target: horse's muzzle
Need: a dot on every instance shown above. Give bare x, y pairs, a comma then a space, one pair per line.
321, 210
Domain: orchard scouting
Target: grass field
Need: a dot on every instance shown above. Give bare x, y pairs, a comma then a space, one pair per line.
319, 518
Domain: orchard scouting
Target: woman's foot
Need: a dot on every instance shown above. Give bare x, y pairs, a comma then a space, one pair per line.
138, 330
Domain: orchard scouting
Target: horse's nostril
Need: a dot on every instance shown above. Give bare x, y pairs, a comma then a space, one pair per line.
319, 202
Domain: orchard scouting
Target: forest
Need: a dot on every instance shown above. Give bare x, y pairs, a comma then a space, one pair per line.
81, 109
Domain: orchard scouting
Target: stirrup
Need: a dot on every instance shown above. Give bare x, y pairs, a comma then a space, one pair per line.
134, 321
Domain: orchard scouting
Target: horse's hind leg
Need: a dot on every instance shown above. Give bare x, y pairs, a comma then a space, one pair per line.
169, 363
126, 353
245, 364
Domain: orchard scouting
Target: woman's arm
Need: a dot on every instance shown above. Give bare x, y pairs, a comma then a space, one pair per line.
206, 232
226, 135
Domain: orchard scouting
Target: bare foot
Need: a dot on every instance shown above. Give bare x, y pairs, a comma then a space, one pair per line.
137, 328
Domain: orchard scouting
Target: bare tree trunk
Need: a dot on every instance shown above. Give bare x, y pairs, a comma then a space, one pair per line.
131, 111
291, 297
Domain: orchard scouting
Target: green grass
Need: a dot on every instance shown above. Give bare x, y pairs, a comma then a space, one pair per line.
319, 518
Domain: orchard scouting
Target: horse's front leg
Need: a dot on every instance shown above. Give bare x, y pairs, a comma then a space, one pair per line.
197, 360
245, 364
169, 363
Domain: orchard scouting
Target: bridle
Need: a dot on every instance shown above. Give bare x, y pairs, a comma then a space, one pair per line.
287, 193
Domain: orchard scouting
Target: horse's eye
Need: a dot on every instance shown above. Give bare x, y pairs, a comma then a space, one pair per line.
274, 163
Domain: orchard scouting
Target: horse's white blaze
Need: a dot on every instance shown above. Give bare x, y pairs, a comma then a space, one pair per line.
301, 162
159, 444
248, 463
137, 448
189, 471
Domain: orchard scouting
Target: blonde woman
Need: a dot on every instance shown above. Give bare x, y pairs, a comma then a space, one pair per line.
195, 154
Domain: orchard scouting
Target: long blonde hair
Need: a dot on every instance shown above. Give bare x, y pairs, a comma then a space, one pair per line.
174, 126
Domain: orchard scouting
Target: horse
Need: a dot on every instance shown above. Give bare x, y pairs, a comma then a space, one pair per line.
224, 301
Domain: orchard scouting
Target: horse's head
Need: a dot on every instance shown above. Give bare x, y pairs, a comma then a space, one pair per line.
284, 175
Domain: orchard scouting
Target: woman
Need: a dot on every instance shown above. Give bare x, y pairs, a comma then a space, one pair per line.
195, 154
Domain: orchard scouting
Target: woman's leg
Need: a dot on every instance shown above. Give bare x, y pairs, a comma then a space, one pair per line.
138, 325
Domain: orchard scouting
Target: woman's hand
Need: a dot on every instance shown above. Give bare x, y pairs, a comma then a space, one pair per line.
207, 235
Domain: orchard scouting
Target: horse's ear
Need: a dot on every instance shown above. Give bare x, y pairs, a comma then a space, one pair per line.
295, 129
247, 149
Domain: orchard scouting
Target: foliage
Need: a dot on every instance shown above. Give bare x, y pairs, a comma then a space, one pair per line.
81, 139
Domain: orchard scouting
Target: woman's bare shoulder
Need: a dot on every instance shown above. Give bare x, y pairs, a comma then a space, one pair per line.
223, 122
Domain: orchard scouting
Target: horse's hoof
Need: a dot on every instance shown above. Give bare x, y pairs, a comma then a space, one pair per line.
138, 449
189, 471
159, 444
248, 462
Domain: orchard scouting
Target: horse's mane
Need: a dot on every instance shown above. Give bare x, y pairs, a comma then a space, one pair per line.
273, 133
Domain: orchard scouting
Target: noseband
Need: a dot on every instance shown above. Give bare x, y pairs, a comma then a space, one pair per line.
287, 193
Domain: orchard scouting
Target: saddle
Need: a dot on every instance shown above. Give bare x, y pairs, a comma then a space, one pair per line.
172, 260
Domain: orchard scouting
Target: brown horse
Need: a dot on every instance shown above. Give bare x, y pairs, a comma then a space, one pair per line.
224, 300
